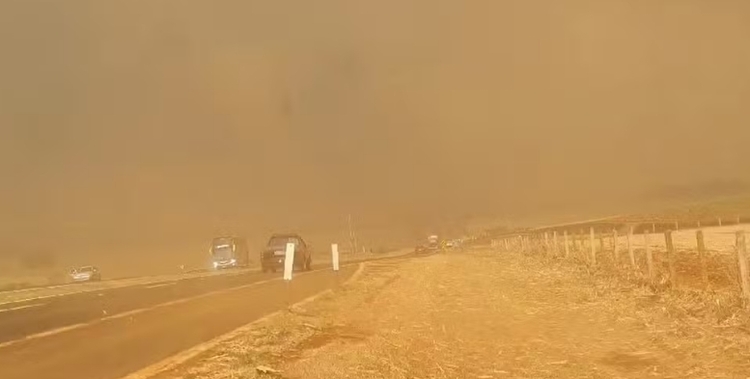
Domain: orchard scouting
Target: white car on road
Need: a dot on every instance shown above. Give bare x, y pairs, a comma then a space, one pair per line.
85, 274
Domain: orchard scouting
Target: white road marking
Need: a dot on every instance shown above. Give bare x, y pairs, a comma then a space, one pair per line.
42, 334
37, 288
184, 300
124, 314
186, 355
115, 284
157, 285
21, 307
54, 331
48, 296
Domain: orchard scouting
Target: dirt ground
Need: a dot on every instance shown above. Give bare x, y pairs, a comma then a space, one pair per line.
487, 315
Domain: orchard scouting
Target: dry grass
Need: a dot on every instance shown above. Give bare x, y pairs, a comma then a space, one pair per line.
716, 300
490, 315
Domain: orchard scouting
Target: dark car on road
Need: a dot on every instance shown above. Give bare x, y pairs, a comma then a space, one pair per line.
273, 255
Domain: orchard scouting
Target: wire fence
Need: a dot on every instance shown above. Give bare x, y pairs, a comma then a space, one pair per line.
711, 258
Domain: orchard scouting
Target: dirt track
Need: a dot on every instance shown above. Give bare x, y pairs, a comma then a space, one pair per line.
488, 315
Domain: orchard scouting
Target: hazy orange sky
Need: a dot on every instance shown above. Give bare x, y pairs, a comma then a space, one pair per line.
137, 122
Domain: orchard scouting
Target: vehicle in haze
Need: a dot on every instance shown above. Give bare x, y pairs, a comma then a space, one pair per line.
85, 274
420, 250
457, 244
433, 243
274, 254
229, 252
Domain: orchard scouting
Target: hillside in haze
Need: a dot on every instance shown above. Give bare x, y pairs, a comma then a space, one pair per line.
131, 132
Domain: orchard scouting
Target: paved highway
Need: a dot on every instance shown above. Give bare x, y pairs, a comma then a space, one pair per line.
30, 318
22, 319
108, 333
142, 324
65, 289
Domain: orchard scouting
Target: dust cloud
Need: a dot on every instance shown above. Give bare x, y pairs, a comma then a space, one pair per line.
132, 131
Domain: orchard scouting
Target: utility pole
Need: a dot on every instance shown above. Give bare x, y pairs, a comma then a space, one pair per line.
352, 235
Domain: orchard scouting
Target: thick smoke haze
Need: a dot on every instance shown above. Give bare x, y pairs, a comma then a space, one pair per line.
144, 126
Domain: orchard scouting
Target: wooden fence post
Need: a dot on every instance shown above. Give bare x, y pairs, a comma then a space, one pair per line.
593, 246
555, 247
649, 256
538, 242
565, 241
676, 226
653, 227
630, 247
671, 258
744, 271
615, 247
582, 240
702, 256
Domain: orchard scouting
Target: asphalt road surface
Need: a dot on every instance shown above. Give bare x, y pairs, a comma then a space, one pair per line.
109, 334
31, 317
21, 319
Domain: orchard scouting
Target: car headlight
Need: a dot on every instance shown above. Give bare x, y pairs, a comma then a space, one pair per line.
233, 261
216, 264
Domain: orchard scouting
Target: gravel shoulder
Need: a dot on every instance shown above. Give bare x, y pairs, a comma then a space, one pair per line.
485, 315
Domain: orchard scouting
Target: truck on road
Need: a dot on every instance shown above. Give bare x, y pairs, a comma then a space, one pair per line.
433, 243
229, 252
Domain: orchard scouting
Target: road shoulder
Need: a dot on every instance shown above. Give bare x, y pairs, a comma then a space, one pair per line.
479, 315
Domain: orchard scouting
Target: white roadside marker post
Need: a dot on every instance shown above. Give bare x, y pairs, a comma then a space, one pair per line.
288, 269
335, 256
335, 261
